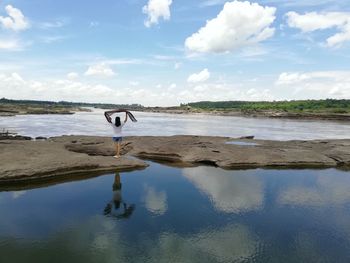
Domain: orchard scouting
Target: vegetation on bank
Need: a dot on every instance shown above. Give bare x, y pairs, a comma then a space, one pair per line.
13, 107
316, 106
328, 106
69, 104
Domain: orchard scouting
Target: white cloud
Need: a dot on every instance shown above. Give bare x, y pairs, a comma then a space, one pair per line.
223, 92
177, 65
316, 85
163, 57
101, 69
202, 76
72, 75
15, 19
239, 24
134, 83
52, 39
172, 86
123, 61
16, 87
10, 44
156, 9
313, 21
54, 24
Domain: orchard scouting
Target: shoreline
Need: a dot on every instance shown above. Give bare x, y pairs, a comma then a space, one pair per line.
11, 110
256, 114
25, 161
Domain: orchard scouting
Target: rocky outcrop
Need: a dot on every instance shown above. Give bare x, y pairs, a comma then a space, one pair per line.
245, 154
58, 156
223, 152
33, 160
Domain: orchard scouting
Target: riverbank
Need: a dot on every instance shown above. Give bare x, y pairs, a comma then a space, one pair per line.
253, 114
9, 109
24, 160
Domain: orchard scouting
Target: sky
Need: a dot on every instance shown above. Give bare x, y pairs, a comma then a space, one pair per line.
167, 52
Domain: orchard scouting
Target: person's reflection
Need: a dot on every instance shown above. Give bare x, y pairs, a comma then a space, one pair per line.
121, 209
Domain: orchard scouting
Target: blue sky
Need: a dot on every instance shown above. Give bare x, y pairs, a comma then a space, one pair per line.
166, 52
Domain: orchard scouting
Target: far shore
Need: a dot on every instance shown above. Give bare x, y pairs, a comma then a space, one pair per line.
335, 110
9, 109
252, 114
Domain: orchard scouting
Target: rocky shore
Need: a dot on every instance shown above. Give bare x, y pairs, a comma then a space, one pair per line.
26, 160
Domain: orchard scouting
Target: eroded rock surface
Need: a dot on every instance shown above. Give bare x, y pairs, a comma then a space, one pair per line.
24, 160
21, 160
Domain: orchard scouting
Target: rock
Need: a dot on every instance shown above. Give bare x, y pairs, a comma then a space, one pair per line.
33, 160
14, 137
247, 137
40, 138
189, 150
68, 155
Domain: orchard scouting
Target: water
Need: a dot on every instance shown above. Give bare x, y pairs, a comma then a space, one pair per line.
201, 214
159, 124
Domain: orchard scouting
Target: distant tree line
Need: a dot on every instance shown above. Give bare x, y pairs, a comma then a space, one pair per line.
70, 104
336, 106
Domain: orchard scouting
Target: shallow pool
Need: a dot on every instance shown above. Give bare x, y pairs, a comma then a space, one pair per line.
165, 214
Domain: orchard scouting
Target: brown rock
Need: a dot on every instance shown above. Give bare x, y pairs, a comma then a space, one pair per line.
66, 155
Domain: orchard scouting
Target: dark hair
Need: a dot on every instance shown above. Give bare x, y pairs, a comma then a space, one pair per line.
117, 121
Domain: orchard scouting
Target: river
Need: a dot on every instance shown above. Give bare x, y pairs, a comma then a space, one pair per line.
160, 124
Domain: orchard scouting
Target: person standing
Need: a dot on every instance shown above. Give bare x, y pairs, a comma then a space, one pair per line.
117, 137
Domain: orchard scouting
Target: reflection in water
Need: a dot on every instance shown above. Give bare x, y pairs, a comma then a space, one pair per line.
226, 244
328, 189
155, 201
250, 216
230, 192
18, 194
113, 208
98, 240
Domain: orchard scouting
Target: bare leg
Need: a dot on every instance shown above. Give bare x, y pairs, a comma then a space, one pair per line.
116, 144
118, 149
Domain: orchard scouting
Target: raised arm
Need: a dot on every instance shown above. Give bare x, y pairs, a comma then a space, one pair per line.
126, 117
108, 118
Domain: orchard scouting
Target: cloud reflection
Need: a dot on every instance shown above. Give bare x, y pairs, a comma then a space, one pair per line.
230, 192
155, 201
328, 189
18, 194
227, 244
